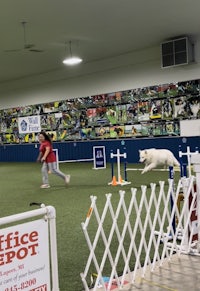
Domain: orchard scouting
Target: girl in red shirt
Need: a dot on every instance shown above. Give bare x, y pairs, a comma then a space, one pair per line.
48, 159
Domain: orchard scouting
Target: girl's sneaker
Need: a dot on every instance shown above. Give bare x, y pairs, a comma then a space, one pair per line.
45, 186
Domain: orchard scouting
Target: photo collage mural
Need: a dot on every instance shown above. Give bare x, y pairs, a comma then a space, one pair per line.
142, 112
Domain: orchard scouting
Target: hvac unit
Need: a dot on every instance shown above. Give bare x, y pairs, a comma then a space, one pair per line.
176, 52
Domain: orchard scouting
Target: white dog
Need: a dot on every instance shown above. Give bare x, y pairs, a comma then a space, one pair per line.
157, 157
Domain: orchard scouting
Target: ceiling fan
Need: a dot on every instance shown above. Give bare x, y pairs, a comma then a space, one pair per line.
26, 46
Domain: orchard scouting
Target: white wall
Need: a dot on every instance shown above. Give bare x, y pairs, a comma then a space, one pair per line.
128, 71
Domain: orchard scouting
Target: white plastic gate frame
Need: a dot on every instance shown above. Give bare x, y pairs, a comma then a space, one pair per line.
57, 158
49, 213
159, 240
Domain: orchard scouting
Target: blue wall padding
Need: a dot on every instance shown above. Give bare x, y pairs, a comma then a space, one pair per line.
75, 150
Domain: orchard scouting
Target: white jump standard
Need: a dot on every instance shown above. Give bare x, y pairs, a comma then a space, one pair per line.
119, 180
189, 155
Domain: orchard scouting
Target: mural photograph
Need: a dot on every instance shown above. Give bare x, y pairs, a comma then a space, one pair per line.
136, 113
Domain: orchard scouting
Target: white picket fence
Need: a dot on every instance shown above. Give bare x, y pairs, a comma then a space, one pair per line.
142, 230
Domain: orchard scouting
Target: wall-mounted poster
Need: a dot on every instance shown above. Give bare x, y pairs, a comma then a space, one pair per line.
143, 110
8, 124
167, 109
180, 107
96, 116
28, 124
168, 90
114, 98
116, 131
147, 128
155, 109
29, 137
61, 134
72, 134
193, 106
133, 130
158, 129
102, 132
121, 114
171, 128
111, 114
132, 112
87, 133
189, 87
99, 100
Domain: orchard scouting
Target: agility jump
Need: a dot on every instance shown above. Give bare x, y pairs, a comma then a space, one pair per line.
119, 180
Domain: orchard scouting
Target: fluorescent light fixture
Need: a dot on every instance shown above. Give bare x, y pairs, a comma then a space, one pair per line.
72, 61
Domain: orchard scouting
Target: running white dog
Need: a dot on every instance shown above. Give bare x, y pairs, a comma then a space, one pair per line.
157, 157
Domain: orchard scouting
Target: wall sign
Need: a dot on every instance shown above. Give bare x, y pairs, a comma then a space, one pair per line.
29, 124
99, 156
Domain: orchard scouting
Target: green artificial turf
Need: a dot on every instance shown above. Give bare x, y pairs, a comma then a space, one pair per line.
20, 185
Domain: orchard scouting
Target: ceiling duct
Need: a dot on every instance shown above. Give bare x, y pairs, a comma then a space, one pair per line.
176, 52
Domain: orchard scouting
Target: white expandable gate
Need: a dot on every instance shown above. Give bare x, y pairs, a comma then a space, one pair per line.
28, 251
154, 228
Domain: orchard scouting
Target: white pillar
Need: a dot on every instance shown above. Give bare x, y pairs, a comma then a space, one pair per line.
195, 160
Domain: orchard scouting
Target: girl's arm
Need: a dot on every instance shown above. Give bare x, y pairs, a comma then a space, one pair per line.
47, 151
39, 157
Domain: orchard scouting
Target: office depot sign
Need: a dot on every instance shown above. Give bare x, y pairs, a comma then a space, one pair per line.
16, 246
24, 257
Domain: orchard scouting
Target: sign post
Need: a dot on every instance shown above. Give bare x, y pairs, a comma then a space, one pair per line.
99, 157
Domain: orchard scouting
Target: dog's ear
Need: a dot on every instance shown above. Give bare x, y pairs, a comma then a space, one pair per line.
145, 151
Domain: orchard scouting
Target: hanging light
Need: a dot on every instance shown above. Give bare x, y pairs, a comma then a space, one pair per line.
72, 60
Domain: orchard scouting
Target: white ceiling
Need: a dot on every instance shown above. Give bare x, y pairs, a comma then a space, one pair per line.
98, 29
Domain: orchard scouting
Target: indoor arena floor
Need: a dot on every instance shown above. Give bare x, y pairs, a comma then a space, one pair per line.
181, 273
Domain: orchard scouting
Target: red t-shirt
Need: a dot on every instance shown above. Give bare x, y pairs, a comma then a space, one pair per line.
51, 156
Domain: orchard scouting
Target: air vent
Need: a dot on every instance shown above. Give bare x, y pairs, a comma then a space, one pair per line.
176, 52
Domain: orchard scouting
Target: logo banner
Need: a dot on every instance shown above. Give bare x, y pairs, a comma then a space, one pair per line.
29, 124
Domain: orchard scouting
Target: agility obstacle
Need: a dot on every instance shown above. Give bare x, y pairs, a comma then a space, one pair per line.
144, 233
176, 169
98, 159
187, 164
118, 181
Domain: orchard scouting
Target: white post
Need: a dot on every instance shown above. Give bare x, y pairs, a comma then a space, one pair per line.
57, 158
53, 247
189, 160
189, 155
195, 160
118, 156
118, 165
